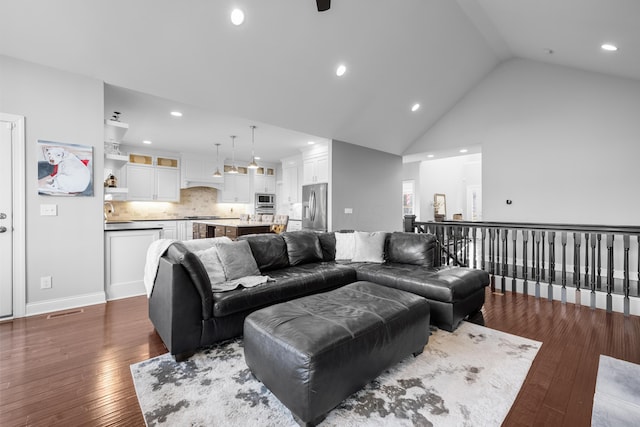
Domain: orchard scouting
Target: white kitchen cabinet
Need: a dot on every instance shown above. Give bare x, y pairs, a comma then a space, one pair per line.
152, 179
290, 187
198, 170
236, 188
184, 230
264, 184
169, 228
315, 166
125, 256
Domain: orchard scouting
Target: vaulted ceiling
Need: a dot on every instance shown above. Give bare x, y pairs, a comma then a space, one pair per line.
277, 69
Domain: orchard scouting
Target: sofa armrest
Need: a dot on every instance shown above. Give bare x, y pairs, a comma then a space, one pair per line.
174, 309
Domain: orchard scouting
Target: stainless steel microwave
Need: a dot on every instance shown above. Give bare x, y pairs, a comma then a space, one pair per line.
265, 199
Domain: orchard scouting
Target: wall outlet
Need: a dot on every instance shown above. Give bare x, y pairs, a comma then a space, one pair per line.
48, 210
348, 210
45, 282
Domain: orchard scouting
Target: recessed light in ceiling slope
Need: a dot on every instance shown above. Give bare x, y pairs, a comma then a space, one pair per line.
237, 17
176, 114
415, 107
146, 141
341, 70
609, 47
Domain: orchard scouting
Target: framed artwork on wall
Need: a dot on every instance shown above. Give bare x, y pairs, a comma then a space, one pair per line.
65, 169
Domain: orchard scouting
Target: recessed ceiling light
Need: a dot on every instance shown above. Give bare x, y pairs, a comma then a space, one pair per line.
237, 17
464, 150
176, 114
341, 70
430, 156
311, 142
257, 157
146, 141
415, 107
610, 47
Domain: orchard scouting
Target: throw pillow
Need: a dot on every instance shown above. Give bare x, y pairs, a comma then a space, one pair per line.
302, 247
369, 247
237, 260
412, 248
278, 228
345, 246
211, 262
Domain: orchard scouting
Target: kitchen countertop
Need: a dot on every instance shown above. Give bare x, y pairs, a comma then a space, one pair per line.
129, 225
223, 222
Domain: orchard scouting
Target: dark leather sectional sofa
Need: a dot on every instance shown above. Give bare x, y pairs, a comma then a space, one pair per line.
188, 315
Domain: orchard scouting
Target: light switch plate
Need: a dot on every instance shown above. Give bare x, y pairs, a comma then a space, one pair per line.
48, 210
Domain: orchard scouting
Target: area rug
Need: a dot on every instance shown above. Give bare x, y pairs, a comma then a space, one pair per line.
616, 402
466, 378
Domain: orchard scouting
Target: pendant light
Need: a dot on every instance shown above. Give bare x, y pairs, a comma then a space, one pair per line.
233, 169
253, 164
217, 173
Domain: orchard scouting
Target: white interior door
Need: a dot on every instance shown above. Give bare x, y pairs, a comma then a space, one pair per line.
6, 221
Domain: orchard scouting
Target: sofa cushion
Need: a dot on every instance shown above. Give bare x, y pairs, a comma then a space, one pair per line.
302, 247
345, 246
288, 283
411, 248
212, 264
446, 284
269, 251
328, 244
369, 247
237, 260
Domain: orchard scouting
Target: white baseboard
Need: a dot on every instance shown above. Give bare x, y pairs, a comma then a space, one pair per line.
48, 306
125, 290
582, 298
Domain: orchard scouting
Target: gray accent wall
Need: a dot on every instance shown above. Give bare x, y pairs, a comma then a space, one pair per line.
62, 107
370, 183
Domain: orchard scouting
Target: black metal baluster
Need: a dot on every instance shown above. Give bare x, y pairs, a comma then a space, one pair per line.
552, 245
483, 232
456, 238
593, 270
542, 272
638, 276
514, 273
465, 237
525, 267
492, 233
577, 240
536, 255
599, 263
586, 284
626, 242
610, 286
505, 266
563, 241
475, 248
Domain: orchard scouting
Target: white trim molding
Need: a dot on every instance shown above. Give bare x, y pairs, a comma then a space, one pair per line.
58, 304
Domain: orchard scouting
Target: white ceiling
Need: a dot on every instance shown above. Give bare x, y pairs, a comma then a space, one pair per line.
277, 70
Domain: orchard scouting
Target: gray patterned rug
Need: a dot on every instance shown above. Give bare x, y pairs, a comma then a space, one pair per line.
616, 402
467, 378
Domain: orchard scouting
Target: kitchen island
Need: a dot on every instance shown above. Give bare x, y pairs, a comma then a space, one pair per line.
232, 228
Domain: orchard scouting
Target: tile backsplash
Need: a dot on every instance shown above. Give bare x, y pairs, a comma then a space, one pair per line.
194, 201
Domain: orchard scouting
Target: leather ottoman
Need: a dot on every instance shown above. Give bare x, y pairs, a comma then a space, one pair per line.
315, 351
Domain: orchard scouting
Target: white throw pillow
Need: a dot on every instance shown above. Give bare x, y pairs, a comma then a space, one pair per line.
211, 261
345, 246
369, 247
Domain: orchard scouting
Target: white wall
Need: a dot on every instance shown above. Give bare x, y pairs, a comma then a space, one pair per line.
60, 107
449, 176
563, 144
369, 182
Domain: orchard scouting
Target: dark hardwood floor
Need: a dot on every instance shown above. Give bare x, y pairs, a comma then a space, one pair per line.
72, 368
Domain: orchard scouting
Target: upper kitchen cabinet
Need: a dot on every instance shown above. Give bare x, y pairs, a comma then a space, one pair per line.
153, 178
291, 179
114, 161
264, 179
237, 188
197, 171
315, 164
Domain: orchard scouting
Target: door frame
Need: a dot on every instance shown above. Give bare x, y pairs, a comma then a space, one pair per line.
18, 165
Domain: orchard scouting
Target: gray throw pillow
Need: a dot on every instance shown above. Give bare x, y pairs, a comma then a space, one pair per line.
237, 260
211, 262
369, 247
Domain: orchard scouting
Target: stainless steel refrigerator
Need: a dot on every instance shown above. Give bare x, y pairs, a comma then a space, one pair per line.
314, 207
